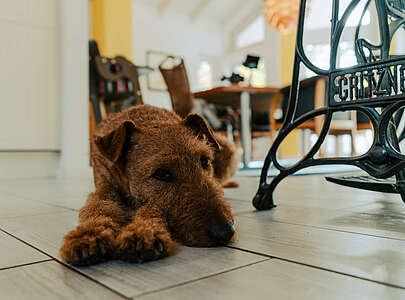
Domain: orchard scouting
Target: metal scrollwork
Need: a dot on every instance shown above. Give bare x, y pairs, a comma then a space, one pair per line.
375, 87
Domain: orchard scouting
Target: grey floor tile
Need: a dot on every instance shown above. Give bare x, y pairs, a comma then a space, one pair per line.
189, 264
383, 219
68, 193
316, 223
309, 191
50, 280
15, 253
275, 279
240, 206
46, 233
15, 206
369, 257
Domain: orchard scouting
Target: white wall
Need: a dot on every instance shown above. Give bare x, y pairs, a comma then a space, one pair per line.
29, 77
176, 34
74, 91
44, 88
269, 50
29, 85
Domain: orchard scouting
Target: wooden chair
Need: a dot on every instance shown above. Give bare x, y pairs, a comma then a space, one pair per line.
175, 76
114, 83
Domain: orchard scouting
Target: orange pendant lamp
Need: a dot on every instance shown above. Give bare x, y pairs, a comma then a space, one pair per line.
282, 14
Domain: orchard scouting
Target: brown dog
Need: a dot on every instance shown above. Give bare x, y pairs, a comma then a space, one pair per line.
158, 180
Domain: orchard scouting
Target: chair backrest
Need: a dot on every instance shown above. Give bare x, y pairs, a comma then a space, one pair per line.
118, 70
112, 78
307, 99
175, 77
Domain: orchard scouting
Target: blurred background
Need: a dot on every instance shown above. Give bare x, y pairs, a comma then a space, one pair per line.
66, 64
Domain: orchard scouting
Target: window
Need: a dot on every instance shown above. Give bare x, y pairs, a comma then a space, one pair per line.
251, 34
319, 56
347, 56
204, 75
317, 26
316, 18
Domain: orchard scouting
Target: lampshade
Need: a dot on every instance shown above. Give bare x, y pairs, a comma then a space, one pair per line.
282, 14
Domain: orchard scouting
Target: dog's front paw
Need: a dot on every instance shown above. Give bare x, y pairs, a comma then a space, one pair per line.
139, 245
88, 245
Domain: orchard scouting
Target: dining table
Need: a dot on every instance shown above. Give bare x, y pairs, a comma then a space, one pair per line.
246, 99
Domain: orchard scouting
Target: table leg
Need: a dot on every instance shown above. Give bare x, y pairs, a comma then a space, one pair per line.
245, 113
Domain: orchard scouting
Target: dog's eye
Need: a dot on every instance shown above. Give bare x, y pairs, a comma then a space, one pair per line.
163, 175
204, 162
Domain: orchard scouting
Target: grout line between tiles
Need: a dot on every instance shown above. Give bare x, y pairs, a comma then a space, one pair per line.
339, 230
344, 231
24, 242
204, 277
57, 260
318, 267
26, 264
243, 213
34, 214
36, 200
340, 209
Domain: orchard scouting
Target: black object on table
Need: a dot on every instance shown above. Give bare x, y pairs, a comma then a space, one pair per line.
234, 78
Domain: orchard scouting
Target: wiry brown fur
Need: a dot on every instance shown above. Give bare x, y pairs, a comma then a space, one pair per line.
135, 216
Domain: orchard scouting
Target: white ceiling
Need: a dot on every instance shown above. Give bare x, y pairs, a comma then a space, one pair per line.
226, 13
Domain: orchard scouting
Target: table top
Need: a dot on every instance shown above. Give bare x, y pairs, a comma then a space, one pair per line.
230, 96
237, 89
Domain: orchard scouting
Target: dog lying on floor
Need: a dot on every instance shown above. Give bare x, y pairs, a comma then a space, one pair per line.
158, 181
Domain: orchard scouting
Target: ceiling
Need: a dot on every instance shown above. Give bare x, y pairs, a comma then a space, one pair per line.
229, 14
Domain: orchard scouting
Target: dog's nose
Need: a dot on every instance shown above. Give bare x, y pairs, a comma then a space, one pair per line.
223, 233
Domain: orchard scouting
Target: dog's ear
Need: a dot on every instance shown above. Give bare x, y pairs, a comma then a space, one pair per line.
201, 128
112, 144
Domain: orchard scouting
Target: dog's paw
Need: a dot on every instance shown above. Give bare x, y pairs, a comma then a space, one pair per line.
136, 245
88, 245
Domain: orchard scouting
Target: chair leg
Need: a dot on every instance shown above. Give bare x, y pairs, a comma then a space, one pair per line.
337, 147
229, 131
354, 153
273, 134
322, 150
305, 141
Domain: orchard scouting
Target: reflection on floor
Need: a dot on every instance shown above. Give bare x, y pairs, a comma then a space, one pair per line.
323, 241
255, 168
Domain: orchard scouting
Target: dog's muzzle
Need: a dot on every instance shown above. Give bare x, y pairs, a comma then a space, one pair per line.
222, 234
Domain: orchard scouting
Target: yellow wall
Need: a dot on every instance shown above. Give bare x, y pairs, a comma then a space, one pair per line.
392, 47
112, 27
291, 144
287, 57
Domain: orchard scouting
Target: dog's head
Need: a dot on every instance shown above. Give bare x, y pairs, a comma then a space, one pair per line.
168, 164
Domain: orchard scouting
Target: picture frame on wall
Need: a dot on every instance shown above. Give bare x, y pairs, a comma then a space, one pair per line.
155, 81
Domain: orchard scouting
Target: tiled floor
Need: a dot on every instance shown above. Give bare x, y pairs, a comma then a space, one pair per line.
323, 241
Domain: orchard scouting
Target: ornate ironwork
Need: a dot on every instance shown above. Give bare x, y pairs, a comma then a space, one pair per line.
375, 87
